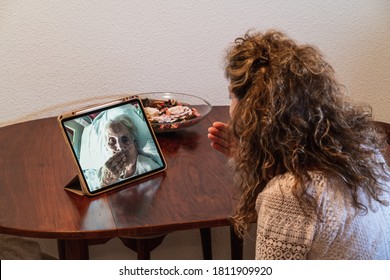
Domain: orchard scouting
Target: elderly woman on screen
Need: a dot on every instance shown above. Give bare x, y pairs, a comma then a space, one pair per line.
125, 160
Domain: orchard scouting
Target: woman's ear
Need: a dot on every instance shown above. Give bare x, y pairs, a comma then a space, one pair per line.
136, 145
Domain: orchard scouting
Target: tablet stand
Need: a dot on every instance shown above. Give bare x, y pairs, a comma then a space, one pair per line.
74, 186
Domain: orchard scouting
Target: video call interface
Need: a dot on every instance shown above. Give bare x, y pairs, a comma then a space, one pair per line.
113, 145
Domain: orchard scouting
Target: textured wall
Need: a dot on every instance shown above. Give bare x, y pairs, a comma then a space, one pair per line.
55, 55
59, 55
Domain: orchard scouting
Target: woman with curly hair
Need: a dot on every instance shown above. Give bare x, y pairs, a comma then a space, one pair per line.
306, 161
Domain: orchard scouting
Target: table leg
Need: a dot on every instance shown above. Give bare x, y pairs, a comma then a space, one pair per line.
72, 249
237, 245
205, 234
142, 246
143, 249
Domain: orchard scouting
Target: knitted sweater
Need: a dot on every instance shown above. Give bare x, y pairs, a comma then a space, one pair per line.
338, 232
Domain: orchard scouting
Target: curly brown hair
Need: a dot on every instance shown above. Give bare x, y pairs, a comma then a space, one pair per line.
291, 116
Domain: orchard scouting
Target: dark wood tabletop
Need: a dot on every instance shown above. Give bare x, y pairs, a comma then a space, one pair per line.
195, 191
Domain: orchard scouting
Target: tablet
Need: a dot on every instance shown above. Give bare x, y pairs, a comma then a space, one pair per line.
112, 144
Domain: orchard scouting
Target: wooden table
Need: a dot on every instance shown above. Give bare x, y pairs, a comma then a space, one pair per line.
196, 191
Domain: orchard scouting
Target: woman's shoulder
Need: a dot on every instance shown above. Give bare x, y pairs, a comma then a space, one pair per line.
281, 188
285, 182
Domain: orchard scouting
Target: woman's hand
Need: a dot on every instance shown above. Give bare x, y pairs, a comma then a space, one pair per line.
113, 168
117, 163
220, 138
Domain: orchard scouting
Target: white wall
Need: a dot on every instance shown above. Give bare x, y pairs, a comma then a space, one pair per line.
59, 55
56, 54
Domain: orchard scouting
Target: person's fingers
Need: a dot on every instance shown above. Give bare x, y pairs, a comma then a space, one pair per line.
221, 126
221, 129
215, 138
220, 137
116, 163
219, 132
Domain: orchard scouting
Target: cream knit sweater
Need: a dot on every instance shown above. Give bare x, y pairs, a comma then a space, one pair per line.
284, 232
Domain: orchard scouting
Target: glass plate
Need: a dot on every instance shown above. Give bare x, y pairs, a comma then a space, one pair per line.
168, 111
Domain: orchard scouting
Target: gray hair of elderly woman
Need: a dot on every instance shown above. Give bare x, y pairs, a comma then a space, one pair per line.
127, 122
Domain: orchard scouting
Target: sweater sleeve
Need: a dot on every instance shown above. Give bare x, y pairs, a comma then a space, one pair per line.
283, 230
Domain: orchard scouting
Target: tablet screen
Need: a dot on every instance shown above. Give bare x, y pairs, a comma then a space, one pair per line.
113, 145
